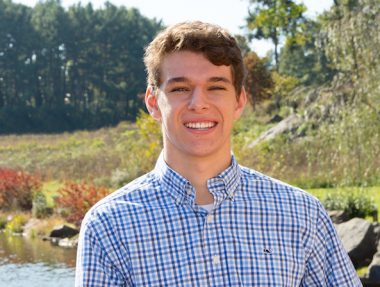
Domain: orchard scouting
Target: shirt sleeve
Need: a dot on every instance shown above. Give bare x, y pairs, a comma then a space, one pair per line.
328, 264
95, 266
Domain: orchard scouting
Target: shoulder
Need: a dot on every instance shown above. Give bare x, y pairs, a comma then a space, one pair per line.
286, 196
127, 200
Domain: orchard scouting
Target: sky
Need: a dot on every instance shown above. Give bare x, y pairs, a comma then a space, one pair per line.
229, 14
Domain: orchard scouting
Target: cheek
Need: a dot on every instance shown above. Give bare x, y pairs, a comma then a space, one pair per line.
168, 110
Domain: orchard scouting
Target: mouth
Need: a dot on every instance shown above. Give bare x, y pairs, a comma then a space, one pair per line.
200, 125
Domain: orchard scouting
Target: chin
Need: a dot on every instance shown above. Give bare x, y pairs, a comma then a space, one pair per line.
203, 152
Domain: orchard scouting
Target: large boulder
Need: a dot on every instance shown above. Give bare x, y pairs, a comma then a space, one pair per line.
369, 283
63, 231
374, 268
338, 216
359, 240
288, 124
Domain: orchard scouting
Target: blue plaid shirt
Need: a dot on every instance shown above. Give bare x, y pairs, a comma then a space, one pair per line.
261, 232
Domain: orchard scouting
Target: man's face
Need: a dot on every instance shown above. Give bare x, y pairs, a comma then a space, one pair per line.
196, 105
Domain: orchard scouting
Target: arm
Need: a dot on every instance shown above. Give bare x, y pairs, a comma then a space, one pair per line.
96, 257
328, 263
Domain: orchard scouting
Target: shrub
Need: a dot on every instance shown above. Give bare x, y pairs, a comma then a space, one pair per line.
16, 224
354, 203
40, 207
76, 199
16, 189
138, 150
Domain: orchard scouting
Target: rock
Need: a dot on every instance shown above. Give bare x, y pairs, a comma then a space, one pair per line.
31, 225
290, 123
54, 240
68, 243
376, 230
374, 268
358, 239
338, 216
369, 283
63, 231
275, 119
311, 96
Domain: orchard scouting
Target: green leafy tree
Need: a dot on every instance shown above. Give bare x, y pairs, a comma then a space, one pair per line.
302, 58
351, 39
273, 19
243, 44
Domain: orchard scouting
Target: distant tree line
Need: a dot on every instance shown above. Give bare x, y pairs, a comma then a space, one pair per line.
66, 69
82, 68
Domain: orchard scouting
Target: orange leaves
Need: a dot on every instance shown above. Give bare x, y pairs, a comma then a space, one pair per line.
77, 198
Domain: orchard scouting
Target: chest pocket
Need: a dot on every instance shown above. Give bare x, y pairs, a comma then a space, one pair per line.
269, 263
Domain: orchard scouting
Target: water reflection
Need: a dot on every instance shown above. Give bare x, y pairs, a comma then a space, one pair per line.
34, 263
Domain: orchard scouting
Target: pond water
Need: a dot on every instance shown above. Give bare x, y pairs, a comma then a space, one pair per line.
35, 263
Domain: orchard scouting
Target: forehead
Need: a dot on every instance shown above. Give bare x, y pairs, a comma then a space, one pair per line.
192, 67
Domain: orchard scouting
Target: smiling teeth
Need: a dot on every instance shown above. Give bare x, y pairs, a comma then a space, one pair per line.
200, 125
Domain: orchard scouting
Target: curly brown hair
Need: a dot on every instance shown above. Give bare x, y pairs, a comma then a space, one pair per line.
214, 42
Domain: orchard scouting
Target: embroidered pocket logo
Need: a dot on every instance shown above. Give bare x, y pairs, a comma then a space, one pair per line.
267, 251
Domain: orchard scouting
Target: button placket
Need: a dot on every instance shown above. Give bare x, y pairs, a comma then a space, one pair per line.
211, 249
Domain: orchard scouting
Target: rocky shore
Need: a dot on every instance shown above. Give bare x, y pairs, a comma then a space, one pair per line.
62, 235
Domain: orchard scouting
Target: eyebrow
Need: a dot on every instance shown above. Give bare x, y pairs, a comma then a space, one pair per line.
186, 80
220, 79
177, 80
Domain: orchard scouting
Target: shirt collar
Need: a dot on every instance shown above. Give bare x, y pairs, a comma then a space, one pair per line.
222, 186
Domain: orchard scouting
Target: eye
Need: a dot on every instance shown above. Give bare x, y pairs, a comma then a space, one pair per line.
179, 90
217, 88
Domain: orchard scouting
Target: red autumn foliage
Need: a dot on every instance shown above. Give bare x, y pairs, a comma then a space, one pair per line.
77, 198
16, 189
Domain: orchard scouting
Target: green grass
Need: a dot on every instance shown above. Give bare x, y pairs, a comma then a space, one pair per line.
373, 192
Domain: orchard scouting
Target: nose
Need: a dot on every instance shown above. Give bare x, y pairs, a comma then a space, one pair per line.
198, 100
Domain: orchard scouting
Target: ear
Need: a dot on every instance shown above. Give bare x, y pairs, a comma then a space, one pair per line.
241, 102
151, 103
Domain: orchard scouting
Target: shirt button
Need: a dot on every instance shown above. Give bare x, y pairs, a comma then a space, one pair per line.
189, 190
216, 259
210, 218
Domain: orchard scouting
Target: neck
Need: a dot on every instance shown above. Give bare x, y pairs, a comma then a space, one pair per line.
197, 170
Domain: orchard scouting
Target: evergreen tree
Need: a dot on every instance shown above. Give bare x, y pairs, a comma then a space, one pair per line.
70, 69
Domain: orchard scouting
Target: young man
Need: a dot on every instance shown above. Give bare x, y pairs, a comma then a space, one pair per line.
200, 219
